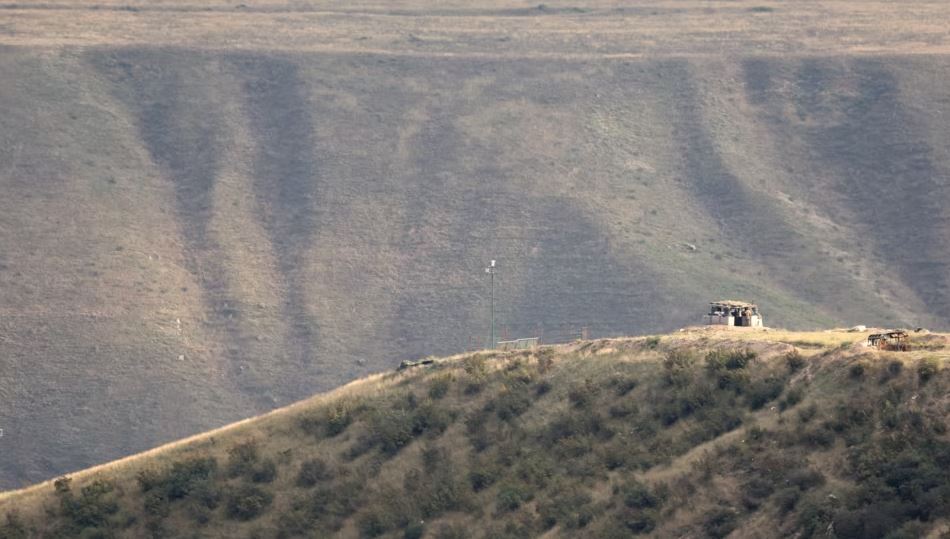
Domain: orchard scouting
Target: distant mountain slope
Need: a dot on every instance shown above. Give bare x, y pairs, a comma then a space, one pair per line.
193, 234
704, 433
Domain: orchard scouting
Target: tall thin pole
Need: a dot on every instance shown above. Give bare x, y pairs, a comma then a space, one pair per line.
490, 270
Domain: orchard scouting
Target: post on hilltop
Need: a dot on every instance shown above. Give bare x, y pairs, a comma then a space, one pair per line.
490, 270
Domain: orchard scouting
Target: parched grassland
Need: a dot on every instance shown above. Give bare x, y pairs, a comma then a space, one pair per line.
703, 432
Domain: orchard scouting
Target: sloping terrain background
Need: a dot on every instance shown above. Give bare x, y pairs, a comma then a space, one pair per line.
211, 210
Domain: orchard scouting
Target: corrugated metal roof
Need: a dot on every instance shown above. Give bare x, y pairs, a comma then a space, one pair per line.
732, 303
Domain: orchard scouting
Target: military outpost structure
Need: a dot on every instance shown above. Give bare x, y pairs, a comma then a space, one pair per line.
895, 340
733, 313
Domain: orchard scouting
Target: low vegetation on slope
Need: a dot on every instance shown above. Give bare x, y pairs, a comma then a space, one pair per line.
700, 434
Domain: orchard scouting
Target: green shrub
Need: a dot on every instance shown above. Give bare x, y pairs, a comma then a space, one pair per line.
511, 404
312, 472
184, 476
247, 502
678, 367
856, 370
338, 418
754, 491
481, 478
414, 530
581, 395
792, 397
808, 413
510, 497
570, 508
372, 524
637, 523
624, 408
94, 505
815, 513
636, 495
623, 384
429, 418
805, 479
763, 391
927, 368
720, 521
786, 499
13, 527
731, 360
156, 504
333, 504
794, 361
476, 367
242, 458
392, 429
817, 437
893, 369
264, 472
439, 387
451, 531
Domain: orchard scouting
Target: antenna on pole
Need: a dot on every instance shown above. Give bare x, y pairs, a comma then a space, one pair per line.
490, 270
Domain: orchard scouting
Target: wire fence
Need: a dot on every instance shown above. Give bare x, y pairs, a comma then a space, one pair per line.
558, 335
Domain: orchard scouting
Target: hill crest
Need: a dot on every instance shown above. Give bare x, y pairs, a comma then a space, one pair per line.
702, 432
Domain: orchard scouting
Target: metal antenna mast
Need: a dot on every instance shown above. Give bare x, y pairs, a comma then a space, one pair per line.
490, 270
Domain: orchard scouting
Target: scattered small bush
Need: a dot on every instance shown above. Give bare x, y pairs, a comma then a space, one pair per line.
338, 419
764, 391
794, 361
792, 397
511, 496
856, 371
264, 472
13, 527
248, 502
927, 368
786, 499
623, 409
623, 384
571, 509
372, 524
636, 495
481, 478
808, 413
312, 472
451, 531
720, 522
581, 395
94, 505
242, 458
414, 530
678, 366
731, 360
439, 387
805, 479
511, 404
893, 370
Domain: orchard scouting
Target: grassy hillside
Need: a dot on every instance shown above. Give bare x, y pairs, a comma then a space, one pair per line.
213, 209
702, 433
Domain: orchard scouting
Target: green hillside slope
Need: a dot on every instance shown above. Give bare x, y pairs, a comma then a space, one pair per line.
701, 434
210, 211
